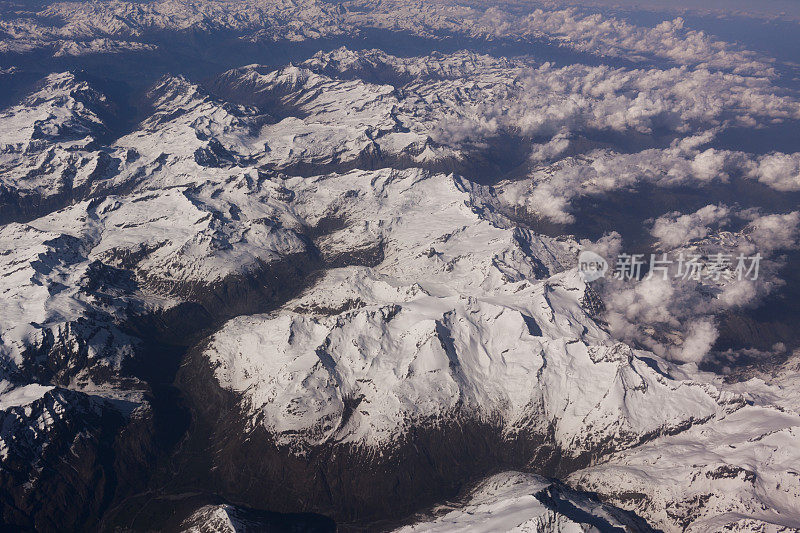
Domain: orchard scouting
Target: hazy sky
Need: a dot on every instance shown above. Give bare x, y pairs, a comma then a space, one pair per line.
756, 7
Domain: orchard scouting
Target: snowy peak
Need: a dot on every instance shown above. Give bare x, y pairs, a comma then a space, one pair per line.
64, 109
515, 501
363, 64
416, 363
450, 322
737, 472
379, 67
175, 92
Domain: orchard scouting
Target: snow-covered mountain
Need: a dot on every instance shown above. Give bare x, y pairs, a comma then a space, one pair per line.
737, 473
102, 27
345, 285
462, 316
513, 501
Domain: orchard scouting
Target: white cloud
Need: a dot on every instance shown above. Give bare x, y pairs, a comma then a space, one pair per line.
669, 40
774, 232
673, 230
549, 101
670, 317
701, 337
778, 170
675, 317
550, 190
608, 246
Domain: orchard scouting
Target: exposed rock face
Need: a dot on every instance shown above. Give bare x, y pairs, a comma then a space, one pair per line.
62, 457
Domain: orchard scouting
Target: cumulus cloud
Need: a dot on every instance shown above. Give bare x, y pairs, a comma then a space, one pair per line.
653, 314
699, 340
594, 33
778, 170
669, 40
674, 229
550, 190
551, 149
608, 246
672, 318
675, 317
773, 232
549, 101
569, 104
